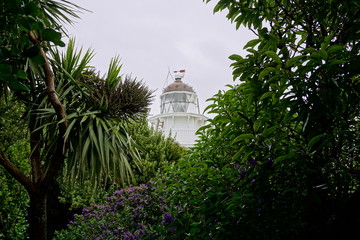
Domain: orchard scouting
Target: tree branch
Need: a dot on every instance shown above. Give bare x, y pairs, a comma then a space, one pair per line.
15, 172
59, 155
50, 83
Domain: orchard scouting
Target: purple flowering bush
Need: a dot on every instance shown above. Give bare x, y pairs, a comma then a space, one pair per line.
132, 213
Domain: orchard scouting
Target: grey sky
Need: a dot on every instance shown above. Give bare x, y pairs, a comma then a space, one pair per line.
154, 36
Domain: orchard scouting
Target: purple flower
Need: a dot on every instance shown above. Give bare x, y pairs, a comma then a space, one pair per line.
180, 209
167, 219
136, 214
143, 209
138, 233
252, 162
128, 235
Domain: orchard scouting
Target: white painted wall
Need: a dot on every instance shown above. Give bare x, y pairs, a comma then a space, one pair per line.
182, 126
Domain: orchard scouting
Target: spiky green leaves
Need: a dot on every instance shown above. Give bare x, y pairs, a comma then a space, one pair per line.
100, 150
117, 96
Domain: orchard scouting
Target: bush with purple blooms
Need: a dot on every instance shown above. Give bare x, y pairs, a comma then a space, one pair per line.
133, 213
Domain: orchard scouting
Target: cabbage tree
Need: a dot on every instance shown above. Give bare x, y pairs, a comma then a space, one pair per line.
71, 114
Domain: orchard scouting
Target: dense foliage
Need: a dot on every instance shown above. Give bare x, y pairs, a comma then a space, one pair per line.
65, 117
156, 150
280, 159
131, 213
13, 198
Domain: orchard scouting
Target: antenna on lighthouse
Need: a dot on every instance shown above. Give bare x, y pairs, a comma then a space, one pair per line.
167, 78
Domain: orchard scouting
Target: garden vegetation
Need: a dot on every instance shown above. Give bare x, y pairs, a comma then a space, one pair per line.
280, 159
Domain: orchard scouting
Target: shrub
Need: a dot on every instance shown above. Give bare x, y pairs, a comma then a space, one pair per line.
14, 200
133, 213
156, 150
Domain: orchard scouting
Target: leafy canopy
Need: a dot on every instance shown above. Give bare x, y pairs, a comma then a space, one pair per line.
280, 158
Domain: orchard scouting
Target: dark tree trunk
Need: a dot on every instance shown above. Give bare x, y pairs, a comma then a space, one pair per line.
38, 215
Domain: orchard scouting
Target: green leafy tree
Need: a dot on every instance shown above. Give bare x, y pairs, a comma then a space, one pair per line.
156, 150
280, 160
296, 109
66, 118
13, 198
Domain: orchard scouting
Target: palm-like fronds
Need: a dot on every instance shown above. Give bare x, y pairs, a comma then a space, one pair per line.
113, 77
73, 62
60, 12
100, 148
118, 96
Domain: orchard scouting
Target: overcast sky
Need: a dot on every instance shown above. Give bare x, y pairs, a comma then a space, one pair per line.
152, 36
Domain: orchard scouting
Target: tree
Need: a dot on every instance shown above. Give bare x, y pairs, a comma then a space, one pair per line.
156, 150
62, 112
280, 160
295, 110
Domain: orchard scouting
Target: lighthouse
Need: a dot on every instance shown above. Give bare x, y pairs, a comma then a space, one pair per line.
179, 112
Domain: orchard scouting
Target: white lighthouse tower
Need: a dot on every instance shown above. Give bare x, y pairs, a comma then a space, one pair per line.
179, 112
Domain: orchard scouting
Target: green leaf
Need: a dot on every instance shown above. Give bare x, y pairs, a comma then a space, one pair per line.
13, 83
335, 48
243, 137
50, 34
294, 61
59, 43
238, 153
273, 56
323, 54
266, 95
68, 131
315, 139
256, 125
316, 56
21, 74
236, 57
211, 107
266, 71
219, 7
284, 157
252, 43
336, 62
269, 131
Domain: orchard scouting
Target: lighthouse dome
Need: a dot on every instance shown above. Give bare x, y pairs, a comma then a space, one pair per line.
178, 85
178, 97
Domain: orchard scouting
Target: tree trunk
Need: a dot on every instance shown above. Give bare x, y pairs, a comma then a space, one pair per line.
38, 215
